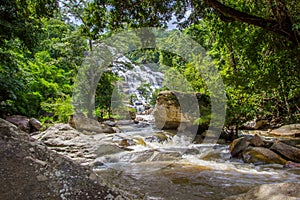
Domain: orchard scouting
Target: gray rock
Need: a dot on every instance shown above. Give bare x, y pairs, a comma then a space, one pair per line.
238, 146
290, 152
36, 124
277, 191
291, 130
260, 155
21, 122
24, 177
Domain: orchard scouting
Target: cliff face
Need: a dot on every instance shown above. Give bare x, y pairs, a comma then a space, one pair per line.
29, 170
177, 110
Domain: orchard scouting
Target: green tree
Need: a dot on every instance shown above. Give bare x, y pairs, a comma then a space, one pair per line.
19, 29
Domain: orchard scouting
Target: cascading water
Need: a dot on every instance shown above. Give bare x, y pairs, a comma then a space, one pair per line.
160, 165
136, 77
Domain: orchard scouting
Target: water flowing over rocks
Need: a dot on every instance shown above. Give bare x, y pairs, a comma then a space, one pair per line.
29, 170
146, 162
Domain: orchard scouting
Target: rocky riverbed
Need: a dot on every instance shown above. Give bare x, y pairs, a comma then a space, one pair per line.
136, 161
30, 170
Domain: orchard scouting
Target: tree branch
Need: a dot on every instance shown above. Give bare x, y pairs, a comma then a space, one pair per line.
283, 28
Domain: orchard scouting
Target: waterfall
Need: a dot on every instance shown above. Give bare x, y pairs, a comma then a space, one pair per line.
138, 76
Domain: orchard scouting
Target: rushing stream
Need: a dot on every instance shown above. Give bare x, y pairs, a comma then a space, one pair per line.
168, 167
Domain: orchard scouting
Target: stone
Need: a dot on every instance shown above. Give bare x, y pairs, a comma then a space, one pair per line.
290, 152
158, 137
167, 113
69, 142
178, 110
290, 164
20, 121
92, 126
36, 124
276, 191
110, 123
291, 130
256, 141
61, 178
260, 155
107, 149
107, 129
237, 146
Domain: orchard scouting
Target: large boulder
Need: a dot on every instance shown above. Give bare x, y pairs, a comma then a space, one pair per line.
290, 152
256, 141
291, 130
70, 142
167, 112
237, 146
29, 170
260, 155
178, 110
276, 191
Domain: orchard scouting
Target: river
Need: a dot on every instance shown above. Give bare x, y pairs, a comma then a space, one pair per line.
169, 167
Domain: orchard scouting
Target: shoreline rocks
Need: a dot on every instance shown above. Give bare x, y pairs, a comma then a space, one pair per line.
291, 130
259, 151
24, 123
29, 170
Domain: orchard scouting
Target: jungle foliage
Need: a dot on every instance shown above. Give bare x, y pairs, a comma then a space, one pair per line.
254, 44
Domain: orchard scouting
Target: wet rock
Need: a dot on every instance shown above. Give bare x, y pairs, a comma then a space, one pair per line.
107, 149
139, 141
166, 156
158, 137
256, 141
107, 129
290, 152
290, 164
277, 191
142, 124
36, 124
21, 122
26, 177
138, 157
238, 146
110, 123
260, 155
291, 130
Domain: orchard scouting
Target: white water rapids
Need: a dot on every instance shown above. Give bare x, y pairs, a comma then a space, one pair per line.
177, 169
